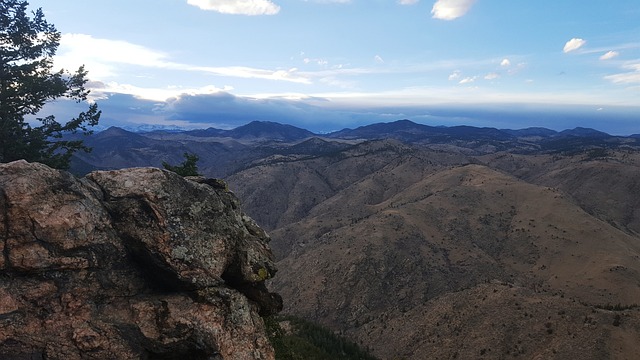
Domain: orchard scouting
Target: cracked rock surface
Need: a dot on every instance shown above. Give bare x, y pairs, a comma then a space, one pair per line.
127, 264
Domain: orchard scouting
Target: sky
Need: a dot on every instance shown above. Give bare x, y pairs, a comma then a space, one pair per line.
329, 64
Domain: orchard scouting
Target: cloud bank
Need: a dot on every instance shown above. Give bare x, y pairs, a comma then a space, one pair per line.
106, 59
451, 9
100, 56
237, 7
223, 110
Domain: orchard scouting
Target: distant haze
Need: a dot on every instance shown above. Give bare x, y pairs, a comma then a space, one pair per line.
201, 112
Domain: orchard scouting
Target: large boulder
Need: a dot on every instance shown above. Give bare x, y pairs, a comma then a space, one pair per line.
135, 263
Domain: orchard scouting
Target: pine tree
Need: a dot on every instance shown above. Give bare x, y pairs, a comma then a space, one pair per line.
189, 166
27, 83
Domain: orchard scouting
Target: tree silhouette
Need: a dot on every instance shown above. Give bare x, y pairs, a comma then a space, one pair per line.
188, 167
27, 83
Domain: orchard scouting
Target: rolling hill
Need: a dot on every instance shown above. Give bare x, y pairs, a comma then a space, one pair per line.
419, 253
433, 242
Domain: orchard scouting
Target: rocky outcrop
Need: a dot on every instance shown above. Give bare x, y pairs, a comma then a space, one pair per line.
128, 264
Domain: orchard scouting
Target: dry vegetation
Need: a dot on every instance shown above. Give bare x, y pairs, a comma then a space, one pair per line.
418, 253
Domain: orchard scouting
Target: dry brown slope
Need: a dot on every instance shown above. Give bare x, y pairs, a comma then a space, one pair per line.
498, 321
280, 191
450, 232
607, 187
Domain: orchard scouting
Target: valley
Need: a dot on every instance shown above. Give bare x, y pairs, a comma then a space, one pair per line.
419, 242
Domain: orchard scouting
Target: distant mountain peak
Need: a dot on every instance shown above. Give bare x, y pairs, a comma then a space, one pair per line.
114, 130
269, 130
403, 122
583, 132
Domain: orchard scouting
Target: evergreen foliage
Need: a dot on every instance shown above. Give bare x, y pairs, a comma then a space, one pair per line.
310, 341
27, 83
189, 166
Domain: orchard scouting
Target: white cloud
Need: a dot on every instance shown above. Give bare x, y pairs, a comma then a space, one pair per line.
573, 45
492, 76
378, 59
451, 9
289, 75
407, 2
468, 80
609, 55
505, 63
454, 76
321, 62
157, 94
631, 77
238, 7
100, 55
106, 58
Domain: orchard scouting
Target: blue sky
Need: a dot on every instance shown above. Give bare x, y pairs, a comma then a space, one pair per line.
329, 64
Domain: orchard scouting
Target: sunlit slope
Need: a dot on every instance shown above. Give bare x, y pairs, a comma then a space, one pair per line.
604, 183
281, 190
353, 260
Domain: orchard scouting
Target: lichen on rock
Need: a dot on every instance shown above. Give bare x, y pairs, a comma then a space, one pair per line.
134, 263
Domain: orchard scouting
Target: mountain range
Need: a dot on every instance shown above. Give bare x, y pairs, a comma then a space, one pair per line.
435, 242
223, 152
404, 130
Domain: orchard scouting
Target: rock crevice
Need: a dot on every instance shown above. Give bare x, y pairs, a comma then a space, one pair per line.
135, 263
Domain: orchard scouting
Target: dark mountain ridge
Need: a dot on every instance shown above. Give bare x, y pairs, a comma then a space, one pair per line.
408, 130
487, 139
531, 131
583, 132
255, 130
223, 152
528, 139
270, 129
